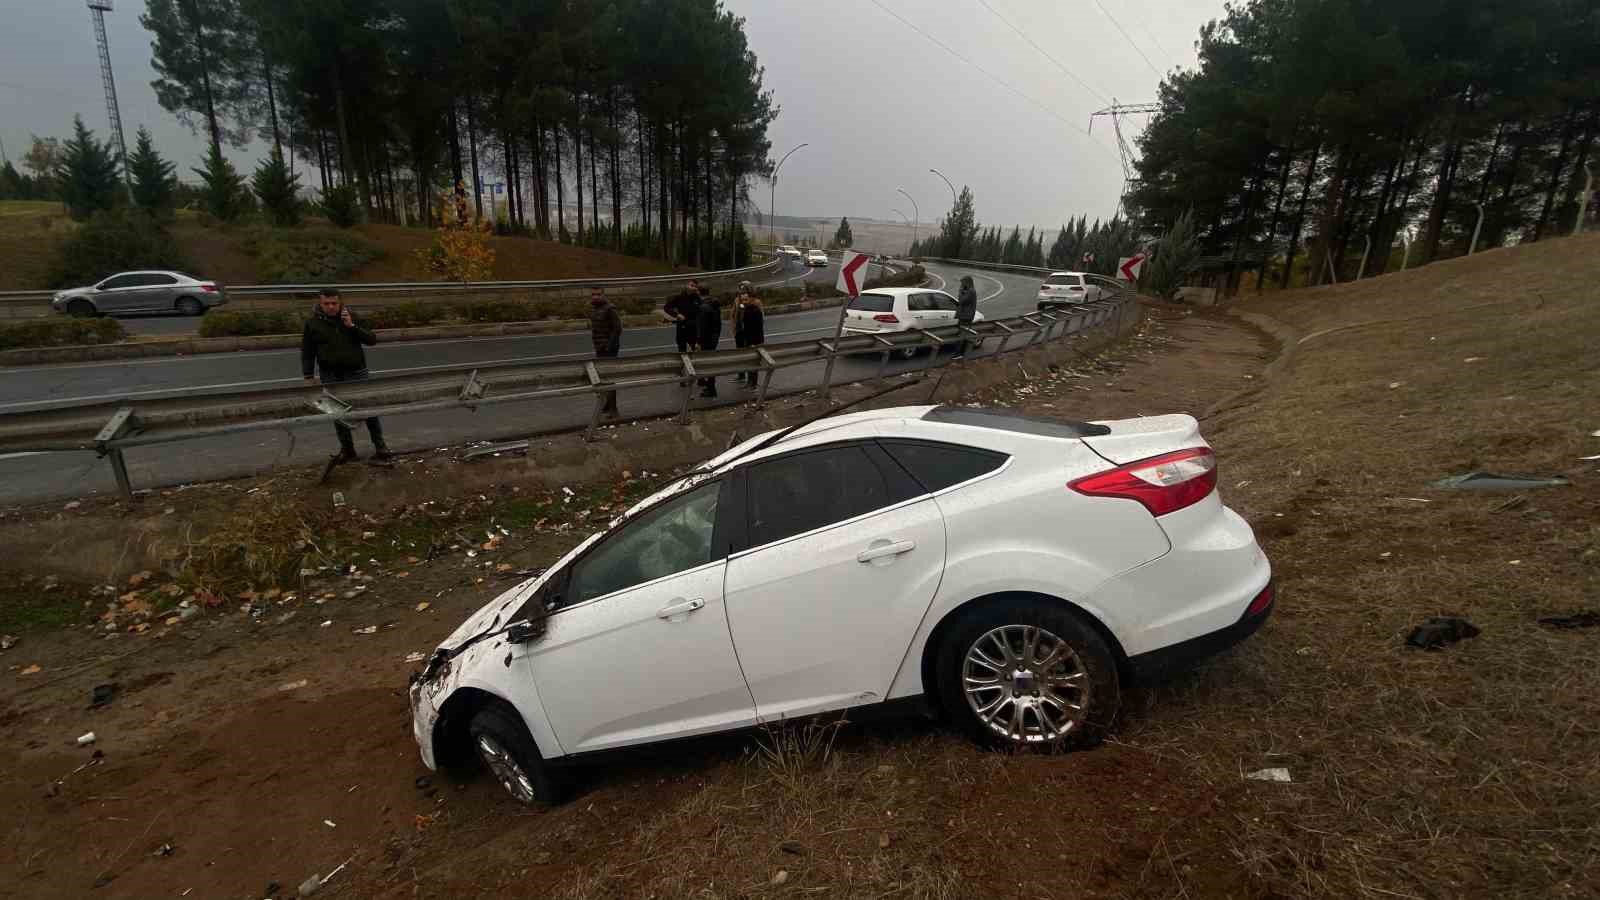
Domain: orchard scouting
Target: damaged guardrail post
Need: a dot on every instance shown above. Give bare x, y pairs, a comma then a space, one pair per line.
689, 375
472, 390
888, 350
769, 368
599, 400
119, 425
827, 373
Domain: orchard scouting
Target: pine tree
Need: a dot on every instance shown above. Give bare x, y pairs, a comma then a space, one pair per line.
155, 186
277, 190
88, 173
958, 237
1012, 254
13, 184
1176, 255
843, 238
223, 194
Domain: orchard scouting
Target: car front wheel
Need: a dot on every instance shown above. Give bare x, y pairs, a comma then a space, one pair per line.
80, 309
502, 743
1028, 672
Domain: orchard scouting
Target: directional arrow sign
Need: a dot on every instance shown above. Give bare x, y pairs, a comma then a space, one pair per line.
1129, 266
852, 272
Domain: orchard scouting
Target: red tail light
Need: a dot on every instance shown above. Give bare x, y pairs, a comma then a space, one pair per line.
1261, 602
208, 287
1164, 484
886, 317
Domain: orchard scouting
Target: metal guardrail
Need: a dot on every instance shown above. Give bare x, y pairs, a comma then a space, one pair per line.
117, 426
412, 287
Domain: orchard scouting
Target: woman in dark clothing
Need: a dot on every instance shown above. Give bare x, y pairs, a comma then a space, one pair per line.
749, 327
966, 308
708, 328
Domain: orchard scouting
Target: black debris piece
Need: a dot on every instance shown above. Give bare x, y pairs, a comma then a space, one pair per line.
1487, 481
1440, 630
103, 693
1586, 619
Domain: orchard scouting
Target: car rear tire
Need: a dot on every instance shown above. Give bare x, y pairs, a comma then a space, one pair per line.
502, 743
80, 309
189, 306
1028, 673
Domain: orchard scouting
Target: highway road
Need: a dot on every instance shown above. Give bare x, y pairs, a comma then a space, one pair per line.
26, 478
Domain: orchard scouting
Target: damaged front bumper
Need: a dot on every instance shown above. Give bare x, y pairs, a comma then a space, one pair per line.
426, 687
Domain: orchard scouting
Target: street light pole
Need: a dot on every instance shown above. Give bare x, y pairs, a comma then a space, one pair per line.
1477, 229
1583, 207
772, 197
916, 214
953, 199
908, 222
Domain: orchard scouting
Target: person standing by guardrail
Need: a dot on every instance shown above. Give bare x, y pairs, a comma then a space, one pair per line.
331, 350
683, 310
709, 330
605, 330
749, 327
966, 309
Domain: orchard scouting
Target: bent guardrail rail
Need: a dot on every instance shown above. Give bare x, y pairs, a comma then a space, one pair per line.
111, 427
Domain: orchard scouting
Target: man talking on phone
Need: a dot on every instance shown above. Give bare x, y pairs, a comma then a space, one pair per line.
330, 350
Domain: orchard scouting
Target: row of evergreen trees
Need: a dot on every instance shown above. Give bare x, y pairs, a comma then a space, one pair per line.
1078, 245
87, 176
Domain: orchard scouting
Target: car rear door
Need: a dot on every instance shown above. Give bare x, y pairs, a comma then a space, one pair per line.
844, 552
158, 293
638, 649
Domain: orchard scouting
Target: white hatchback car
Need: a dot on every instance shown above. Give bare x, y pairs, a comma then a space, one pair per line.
816, 258
1067, 289
1008, 573
890, 310
790, 250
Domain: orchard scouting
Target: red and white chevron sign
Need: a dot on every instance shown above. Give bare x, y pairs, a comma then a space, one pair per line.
852, 273
1129, 266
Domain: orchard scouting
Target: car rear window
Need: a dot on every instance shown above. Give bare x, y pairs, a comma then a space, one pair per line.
1006, 420
873, 303
937, 466
1064, 279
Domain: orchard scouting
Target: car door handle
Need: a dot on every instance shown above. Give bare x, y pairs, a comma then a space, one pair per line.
884, 550
679, 607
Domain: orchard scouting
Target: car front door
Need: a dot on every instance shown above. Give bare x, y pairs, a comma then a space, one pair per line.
944, 310
159, 293
638, 648
119, 293
844, 553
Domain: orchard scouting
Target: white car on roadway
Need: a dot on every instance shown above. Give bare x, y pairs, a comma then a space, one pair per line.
1010, 574
816, 258
890, 310
790, 250
1068, 289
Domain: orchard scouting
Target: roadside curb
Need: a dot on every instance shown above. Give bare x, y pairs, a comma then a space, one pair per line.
36, 356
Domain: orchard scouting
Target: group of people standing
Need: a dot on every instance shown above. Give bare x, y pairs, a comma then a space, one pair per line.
696, 315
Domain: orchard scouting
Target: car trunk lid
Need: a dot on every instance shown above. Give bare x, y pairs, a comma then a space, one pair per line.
1130, 440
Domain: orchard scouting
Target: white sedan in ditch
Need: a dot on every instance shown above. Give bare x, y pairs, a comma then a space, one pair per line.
1009, 574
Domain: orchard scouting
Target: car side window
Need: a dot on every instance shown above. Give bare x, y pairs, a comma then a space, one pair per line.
795, 494
918, 303
937, 466
155, 280
675, 537
119, 281
943, 301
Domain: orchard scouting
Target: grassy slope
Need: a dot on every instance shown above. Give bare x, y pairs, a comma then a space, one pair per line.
30, 231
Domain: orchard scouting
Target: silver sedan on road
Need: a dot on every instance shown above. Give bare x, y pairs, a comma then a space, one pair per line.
141, 292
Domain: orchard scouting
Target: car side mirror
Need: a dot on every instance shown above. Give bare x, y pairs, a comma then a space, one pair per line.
520, 632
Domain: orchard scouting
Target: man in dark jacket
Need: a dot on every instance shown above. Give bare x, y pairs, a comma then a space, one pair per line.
684, 311
605, 330
709, 330
330, 349
966, 308
749, 327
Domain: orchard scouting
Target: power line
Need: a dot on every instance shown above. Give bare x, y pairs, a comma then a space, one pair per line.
1102, 97
1152, 35
1125, 37
992, 77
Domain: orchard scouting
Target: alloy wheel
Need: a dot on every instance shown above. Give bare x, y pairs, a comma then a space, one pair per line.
1026, 684
505, 769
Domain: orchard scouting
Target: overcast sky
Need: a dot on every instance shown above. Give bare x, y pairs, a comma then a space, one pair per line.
878, 102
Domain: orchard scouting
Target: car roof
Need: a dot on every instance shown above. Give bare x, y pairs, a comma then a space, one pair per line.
903, 291
171, 272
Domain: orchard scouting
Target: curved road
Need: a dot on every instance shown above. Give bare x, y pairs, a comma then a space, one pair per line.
41, 476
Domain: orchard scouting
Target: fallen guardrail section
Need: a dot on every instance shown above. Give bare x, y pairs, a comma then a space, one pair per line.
112, 427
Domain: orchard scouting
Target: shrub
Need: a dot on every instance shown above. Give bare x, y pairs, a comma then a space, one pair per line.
244, 323
114, 242
405, 315
460, 252
341, 205
302, 256
498, 311
60, 333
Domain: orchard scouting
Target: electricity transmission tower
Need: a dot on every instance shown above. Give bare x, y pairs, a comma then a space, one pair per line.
1116, 111
97, 11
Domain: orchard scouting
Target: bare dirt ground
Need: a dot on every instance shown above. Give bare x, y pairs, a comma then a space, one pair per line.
1469, 771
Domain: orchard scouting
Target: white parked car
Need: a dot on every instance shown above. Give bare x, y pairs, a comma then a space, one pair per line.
1009, 574
1067, 289
816, 258
888, 310
789, 250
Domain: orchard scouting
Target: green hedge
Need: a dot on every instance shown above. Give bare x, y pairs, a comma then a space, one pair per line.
305, 255
245, 323
60, 333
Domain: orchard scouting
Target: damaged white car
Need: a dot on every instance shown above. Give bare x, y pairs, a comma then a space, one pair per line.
1007, 573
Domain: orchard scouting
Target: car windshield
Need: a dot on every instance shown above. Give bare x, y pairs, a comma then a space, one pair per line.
1063, 279
875, 303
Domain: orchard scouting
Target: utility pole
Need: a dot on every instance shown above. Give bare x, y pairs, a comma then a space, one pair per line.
97, 11
916, 214
772, 197
913, 228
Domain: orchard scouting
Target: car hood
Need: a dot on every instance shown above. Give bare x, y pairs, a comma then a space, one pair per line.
497, 613
76, 292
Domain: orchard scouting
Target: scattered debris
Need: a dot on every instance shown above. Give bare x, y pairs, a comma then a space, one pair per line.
1485, 481
327, 623
781, 877
102, 694
330, 823
164, 850
1580, 459
1395, 384
74, 504
370, 629
294, 685
1473, 359
424, 782
1274, 774
883, 841
423, 606
338, 501
31, 670
1584, 619
793, 848
7, 641
1510, 503
1440, 630
86, 739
